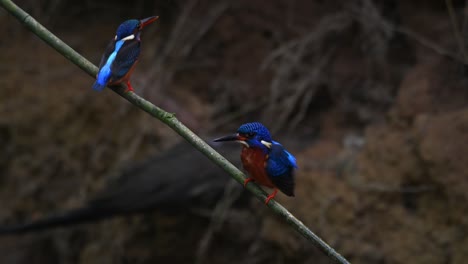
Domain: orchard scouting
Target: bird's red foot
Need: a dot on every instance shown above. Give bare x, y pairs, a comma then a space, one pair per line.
271, 196
129, 88
247, 181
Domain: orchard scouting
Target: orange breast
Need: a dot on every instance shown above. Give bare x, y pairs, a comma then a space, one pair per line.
254, 162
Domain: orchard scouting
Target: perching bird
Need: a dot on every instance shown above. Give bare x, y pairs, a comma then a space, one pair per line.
157, 184
121, 55
266, 161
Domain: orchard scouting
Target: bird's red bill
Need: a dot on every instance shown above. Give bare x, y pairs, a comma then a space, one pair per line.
147, 21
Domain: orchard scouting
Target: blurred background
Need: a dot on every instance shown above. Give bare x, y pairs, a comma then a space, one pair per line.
370, 96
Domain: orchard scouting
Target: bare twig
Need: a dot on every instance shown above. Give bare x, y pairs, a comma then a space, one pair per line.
287, 90
456, 29
426, 42
231, 193
182, 41
423, 41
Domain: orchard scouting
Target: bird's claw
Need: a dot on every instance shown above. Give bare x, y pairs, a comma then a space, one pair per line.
247, 181
129, 88
271, 196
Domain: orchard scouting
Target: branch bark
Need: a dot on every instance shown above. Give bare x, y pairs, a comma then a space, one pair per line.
170, 120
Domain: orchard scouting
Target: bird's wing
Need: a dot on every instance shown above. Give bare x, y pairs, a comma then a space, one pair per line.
104, 75
280, 168
125, 59
110, 47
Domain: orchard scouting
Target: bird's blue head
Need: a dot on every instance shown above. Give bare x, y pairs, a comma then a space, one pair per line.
132, 27
251, 135
127, 28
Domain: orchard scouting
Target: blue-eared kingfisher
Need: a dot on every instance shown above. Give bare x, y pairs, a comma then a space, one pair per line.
266, 161
121, 55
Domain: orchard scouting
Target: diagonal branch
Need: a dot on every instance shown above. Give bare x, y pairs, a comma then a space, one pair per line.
170, 120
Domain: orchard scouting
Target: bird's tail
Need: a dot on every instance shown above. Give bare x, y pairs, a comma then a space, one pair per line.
98, 87
80, 215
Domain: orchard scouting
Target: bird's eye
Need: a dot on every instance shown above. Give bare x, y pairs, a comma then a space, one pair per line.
250, 134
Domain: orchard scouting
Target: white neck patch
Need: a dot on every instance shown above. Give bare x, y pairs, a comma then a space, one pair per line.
132, 36
266, 144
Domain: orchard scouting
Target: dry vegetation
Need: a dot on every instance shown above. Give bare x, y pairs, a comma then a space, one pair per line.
373, 99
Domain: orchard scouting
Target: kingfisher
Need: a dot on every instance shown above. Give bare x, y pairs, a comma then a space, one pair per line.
266, 161
121, 55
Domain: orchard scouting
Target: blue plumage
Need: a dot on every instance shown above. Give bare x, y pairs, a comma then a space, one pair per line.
266, 160
121, 55
127, 58
260, 131
105, 72
280, 161
127, 28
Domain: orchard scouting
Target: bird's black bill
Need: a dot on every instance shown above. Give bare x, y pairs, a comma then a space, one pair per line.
147, 21
227, 138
